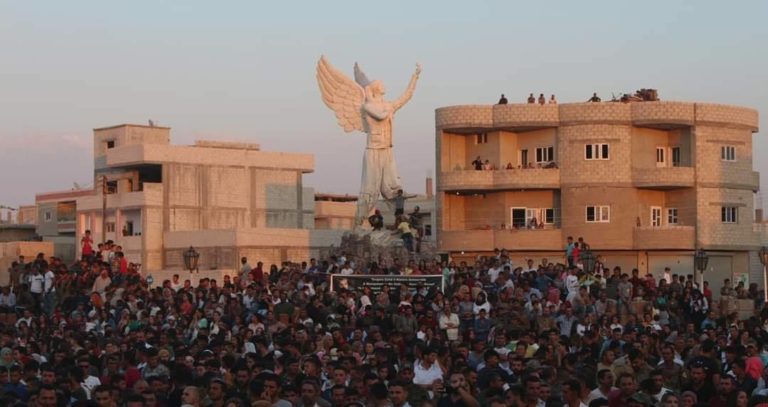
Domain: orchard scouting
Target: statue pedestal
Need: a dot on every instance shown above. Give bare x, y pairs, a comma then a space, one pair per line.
382, 246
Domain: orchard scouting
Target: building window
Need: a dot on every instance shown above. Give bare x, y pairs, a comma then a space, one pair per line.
596, 151
110, 226
481, 138
110, 144
672, 216
532, 218
427, 230
728, 153
549, 216
675, 156
524, 158
598, 214
660, 157
729, 214
518, 217
48, 216
655, 216
545, 154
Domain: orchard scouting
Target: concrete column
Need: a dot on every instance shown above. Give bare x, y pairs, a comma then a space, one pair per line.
299, 201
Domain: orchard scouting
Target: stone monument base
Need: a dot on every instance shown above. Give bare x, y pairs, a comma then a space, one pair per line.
382, 246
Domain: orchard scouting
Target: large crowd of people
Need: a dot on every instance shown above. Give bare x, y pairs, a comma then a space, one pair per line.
496, 333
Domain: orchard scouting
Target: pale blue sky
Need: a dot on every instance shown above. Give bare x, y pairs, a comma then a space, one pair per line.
245, 70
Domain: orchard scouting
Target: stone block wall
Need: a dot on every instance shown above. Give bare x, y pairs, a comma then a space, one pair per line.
522, 115
725, 115
575, 170
470, 116
604, 113
662, 113
711, 170
714, 233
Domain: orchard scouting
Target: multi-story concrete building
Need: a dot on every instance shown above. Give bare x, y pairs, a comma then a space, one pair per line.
228, 200
56, 214
644, 183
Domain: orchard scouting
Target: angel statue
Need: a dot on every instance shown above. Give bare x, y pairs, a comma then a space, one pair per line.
360, 105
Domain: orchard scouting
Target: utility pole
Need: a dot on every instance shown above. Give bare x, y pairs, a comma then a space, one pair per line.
103, 208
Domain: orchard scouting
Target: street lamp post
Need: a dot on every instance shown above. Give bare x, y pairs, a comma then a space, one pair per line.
764, 262
588, 260
701, 259
191, 257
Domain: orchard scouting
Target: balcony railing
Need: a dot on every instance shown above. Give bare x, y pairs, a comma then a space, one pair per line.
516, 178
665, 237
488, 239
663, 177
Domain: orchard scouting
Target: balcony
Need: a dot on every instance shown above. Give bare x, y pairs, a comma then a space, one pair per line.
665, 237
488, 239
664, 177
152, 195
65, 226
518, 178
130, 243
529, 239
470, 240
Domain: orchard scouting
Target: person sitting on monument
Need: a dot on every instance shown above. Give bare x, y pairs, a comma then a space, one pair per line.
405, 232
531, 99
400, 203
376, 220
503, 100
416, 226
542, 99
594, 98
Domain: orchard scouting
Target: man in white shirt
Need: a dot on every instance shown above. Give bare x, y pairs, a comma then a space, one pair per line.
529, 267
572, 284
572, 394
604, 386
347, 269
493, 272
49, 290
427, 370
175, 283
36, 285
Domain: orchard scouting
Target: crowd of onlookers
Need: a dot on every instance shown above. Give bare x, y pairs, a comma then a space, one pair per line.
478, 164
498, 333
542, 100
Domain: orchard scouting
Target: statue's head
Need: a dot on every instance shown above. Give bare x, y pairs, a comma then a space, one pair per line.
374, 89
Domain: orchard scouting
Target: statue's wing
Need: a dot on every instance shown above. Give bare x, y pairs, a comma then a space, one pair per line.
342, 95
360, 77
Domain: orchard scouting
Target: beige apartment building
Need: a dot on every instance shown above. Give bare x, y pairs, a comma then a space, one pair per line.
644, 183
228, 200
56, 214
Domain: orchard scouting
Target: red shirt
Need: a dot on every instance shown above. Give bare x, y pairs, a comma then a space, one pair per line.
87, 249
257, 274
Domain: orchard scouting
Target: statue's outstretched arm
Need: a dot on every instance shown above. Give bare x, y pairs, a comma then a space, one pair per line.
402, 100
